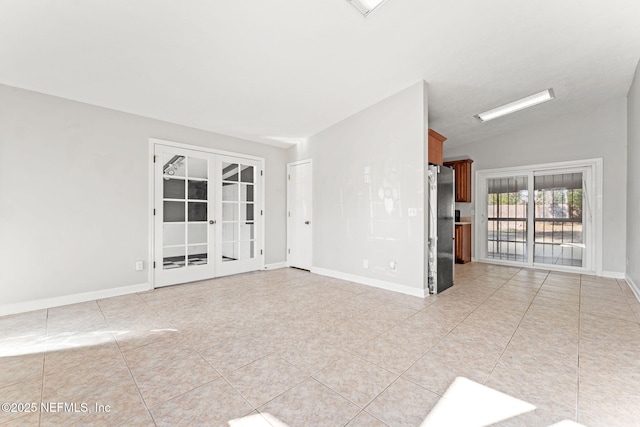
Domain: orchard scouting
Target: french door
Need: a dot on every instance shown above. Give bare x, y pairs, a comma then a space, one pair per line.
207, 215
538, 216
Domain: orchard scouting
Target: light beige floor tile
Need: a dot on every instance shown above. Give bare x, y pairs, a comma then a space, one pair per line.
312, 354
574, 299
403, 404
232, 353
545, 415
132, 337
563, 287
492, 283
264, 379
163, 372
18, 324
554, 352
352, 334
215, 403
607, 403
24, 333
607, 419
602, 292
598, 280
60, 358
111, 385
355, 379
143, 419
451, 358
22, 368
363, 419
596, 327
24, 392
516, 293
535, 384
26, 420
523, 283
605, 308
311, 404
396, 352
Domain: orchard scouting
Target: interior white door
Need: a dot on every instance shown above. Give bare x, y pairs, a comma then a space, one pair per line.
239, 222
299, 225
183, 220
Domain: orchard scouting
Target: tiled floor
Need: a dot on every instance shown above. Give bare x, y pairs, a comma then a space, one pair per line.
287, 347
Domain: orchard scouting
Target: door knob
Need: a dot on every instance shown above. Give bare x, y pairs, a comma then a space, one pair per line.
307, 222
212, 221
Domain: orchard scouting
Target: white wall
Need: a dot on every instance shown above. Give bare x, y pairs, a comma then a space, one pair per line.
74, 211
633, 182
379, 149
595, 133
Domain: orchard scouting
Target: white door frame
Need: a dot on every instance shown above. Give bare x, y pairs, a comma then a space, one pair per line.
289, 165
594, 238
151, 199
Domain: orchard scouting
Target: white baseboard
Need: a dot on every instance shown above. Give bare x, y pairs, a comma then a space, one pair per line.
634, 287
22, 307
275, 265
389, 286
612, 274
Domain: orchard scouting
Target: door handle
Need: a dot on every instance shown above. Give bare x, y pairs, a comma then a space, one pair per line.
212, 221
307, 222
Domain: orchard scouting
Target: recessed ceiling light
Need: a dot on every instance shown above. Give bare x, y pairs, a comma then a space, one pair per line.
366, 6
520, 104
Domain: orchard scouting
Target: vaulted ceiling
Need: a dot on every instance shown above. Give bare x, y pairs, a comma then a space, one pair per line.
271, 71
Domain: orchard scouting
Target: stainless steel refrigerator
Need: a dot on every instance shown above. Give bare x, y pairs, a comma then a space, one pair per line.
441, 228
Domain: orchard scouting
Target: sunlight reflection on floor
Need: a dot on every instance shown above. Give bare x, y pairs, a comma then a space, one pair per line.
33, 344
469, 404
257, 420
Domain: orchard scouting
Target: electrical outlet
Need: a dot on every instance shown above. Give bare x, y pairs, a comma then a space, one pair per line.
413, 212
365, 263
139, 265
392, 265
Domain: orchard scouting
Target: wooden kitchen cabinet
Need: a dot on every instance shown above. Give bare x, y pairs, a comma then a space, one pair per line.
434, 154
462, 170
463, 243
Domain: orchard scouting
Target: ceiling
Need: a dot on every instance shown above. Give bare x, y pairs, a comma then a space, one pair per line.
280, 70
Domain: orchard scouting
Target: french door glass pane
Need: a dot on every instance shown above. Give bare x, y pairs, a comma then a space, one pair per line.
197, 233
197, 190
173, 234
229, 192
230, 172
558, 219
507, 218
174, 211
173, 189
198, 168
185, 197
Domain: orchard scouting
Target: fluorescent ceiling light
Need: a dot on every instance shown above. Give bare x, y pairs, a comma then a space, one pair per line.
520, 104
366, 6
